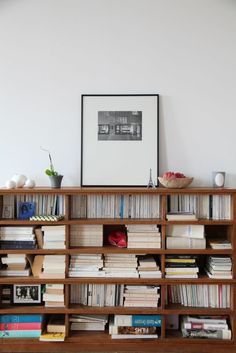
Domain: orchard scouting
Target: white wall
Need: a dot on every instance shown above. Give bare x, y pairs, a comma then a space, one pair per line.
52, 51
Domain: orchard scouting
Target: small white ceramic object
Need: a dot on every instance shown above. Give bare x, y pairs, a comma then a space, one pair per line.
30, 183
19, 179
10, 184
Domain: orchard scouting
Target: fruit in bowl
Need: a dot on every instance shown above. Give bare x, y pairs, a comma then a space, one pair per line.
174, 180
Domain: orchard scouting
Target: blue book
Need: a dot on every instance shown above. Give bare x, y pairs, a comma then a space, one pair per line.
146, 320
21, 318
26, 210
20, 333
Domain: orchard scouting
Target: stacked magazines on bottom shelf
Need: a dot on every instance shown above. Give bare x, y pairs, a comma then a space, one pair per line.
134, 326
215, 327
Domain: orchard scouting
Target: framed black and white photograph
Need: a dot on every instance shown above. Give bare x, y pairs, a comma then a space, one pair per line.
27, 294
119, 139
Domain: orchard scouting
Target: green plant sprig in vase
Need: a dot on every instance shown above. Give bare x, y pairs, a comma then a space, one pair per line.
55, 177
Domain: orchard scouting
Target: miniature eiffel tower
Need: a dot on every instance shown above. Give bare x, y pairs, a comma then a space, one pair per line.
150, 183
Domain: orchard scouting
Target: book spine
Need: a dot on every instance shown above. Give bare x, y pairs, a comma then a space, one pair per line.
20, 333
20, 318
146, 320
20, 326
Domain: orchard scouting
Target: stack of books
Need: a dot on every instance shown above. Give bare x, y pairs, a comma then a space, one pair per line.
6, 297
120, 265
219, 267
54, 237
185, 237
86, 235
53, 266
147, 267
143, 236
141, 296
215, 327
134, 326
15, 265
181, 266
20, 326
54, 295
88, 322
86, 265
220, 244
55, 329
17, 238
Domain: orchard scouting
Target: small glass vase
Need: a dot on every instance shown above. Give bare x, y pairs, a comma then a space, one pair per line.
55, 181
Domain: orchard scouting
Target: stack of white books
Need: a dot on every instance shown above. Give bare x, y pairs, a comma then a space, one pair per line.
86, 265
86, 235
88, 322
185, 236
53, 266
141, 296
54, 295
219, 267
15, 265
148, 268
143, 236
120, 265
54, 237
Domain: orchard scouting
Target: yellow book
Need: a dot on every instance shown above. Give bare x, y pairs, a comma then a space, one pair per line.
52, 337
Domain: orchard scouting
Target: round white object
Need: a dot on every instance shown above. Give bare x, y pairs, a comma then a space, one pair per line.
10, 184
19, 179
30, 183
219, 179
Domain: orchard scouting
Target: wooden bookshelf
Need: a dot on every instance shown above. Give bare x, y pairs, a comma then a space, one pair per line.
84, 341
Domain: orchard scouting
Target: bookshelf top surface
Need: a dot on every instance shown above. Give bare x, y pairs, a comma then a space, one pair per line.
70, 190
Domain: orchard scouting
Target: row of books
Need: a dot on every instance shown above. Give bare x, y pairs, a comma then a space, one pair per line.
114, 265
219, 267
53, 328
203, 206
116, 206
200, 295
143, 236
185, 237
181, 266
17, 238
115, 295
43, 204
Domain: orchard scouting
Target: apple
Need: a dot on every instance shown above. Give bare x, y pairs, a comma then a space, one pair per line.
173, 175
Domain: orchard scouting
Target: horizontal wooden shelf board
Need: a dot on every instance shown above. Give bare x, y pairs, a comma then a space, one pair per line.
74, 190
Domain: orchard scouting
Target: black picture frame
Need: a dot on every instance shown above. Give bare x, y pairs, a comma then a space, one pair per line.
26, 294
119, 139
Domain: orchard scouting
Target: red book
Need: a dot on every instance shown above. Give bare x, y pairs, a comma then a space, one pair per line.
20, 326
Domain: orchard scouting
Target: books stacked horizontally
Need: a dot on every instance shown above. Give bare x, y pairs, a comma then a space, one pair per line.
181, 266
53, 266
97, 294
86, 265
88, 322
6, 296
134, 326
141, 296
55, 329
215, 327
200, 295
185, 237
15, 265
220, 244
120, 265
17, 238
54, 295
54, 237
147, 267
20, 326
143, 236
181, 216
86, 235
219, 267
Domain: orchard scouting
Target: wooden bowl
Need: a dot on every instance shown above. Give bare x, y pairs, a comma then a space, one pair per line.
177, 183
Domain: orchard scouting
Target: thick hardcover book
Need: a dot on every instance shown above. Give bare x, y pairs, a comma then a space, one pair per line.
217, 334
185, 243
20, 326
21, 318
138, 320
52, 337
20, 333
